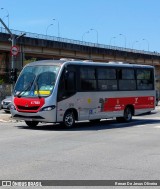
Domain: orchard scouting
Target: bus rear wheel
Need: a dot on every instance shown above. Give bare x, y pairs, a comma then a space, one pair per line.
127, 117
32, 123
69, 119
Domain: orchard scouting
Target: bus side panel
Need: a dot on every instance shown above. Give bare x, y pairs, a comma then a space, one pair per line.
101, 105
112, 104
73, 102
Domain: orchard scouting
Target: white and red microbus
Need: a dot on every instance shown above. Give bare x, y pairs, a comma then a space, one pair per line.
66, 91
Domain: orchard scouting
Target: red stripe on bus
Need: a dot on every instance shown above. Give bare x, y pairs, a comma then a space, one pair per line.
117, 104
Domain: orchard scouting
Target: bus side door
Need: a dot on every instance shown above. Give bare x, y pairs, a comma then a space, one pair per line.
66, 92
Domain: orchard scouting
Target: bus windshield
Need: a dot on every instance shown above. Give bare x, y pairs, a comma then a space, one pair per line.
36, 81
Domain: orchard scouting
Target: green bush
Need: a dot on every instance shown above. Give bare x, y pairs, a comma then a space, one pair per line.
1, 81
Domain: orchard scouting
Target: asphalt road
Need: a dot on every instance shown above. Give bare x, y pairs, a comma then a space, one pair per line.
104, 151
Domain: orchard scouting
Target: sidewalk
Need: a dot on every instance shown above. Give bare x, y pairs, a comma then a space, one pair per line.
6, 117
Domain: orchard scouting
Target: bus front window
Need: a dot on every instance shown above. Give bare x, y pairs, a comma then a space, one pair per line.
44, 83
36, 81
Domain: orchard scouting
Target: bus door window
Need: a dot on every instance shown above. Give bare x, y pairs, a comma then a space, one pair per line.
67, 84
70, 82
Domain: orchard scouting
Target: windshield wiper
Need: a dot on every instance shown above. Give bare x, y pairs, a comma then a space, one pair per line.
26, 89
37, 88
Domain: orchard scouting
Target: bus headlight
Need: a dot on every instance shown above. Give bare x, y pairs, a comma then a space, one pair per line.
48, 108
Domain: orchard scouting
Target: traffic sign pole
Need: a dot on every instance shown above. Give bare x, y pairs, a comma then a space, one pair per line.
13, 38
13, 44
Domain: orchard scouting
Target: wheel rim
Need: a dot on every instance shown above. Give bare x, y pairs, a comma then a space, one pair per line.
69, 120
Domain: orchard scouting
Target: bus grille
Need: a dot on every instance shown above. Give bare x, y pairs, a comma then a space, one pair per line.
28, 108
28, 117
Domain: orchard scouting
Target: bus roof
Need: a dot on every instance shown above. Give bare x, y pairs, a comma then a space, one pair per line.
89, 63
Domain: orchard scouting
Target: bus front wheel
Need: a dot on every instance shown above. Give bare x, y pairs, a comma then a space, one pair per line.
32, 123
69, 119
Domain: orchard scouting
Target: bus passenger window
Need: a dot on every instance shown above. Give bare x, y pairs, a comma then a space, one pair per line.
107, 80
88, 79
126, 79
144, 79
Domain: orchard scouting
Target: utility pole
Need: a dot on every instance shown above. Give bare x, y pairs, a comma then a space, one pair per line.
13, 39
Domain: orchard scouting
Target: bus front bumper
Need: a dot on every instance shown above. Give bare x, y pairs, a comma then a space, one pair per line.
41, 116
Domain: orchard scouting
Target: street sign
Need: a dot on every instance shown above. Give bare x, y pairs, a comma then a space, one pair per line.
14, 50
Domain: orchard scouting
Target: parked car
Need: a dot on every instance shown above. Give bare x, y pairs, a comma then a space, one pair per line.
6, 103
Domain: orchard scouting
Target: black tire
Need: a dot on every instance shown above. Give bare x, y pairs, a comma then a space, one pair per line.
94, 120
69, 119
127, 117
120, 119
32, 123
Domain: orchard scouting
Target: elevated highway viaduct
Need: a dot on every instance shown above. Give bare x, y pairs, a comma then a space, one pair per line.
35, 46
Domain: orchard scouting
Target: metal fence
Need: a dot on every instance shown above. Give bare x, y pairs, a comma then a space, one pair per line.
78, 42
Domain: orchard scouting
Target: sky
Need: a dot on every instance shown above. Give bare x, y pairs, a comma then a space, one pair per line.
132, 24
